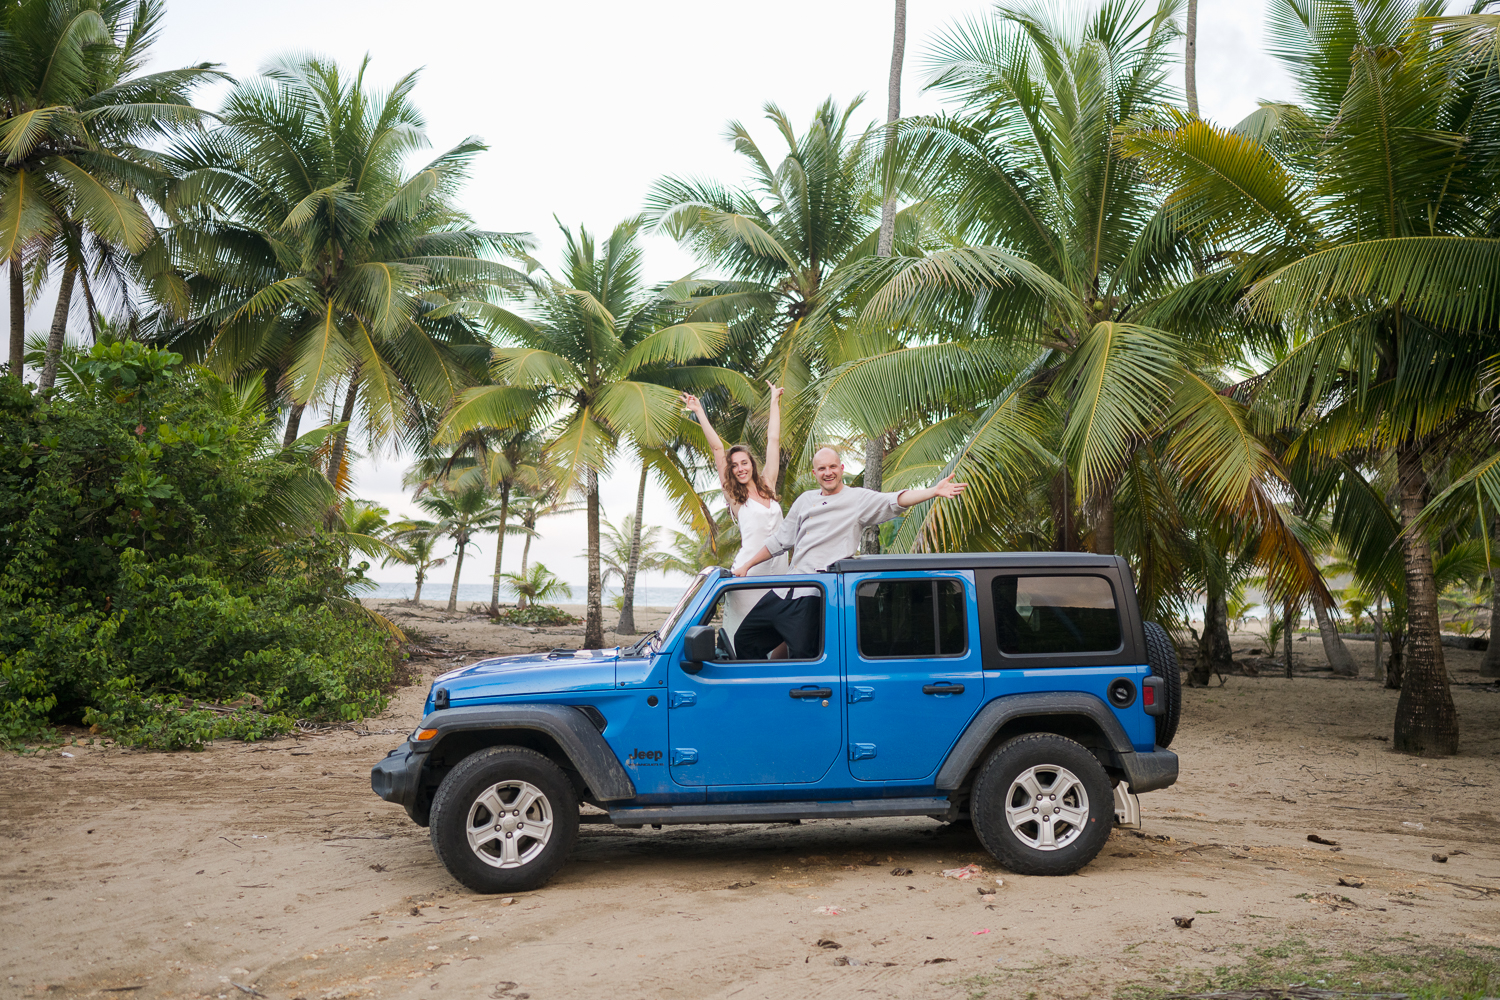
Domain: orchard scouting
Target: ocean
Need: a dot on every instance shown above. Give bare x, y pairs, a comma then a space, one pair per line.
479, 593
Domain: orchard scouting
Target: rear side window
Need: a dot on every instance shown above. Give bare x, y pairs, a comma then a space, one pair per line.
1055, 614
901, 618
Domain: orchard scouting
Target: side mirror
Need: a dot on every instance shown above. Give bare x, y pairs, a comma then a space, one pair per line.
699, 644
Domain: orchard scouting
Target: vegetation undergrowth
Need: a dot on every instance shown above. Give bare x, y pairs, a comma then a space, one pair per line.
1401, 965
164, 570
536, 614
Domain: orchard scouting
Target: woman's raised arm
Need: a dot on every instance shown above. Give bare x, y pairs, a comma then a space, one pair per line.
772, 470
715, 446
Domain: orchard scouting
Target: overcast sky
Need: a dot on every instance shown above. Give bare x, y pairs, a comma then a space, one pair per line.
585, 103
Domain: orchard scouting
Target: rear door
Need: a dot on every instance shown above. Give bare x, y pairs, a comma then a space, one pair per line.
914, 671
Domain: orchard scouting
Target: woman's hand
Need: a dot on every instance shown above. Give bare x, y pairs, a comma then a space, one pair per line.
776, 391
692, 403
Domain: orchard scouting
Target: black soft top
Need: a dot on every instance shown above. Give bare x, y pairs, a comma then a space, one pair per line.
980, 560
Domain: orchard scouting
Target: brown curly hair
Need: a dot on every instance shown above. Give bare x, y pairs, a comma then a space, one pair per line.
738, 491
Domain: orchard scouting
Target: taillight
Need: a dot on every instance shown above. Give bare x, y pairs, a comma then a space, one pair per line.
1148, 696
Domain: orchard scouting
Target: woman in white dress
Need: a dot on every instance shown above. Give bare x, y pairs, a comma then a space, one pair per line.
753, 502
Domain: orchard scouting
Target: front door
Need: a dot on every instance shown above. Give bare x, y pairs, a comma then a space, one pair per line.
915, 676
760, 721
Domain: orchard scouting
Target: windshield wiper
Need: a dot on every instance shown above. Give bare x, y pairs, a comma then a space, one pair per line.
635, 650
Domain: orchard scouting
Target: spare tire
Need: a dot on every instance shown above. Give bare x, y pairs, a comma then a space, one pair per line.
1161, 654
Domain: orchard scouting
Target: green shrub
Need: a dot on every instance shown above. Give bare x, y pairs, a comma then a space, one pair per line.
163, 573
536, 614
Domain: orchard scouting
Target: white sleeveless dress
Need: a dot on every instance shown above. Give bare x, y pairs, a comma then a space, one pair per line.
757, 524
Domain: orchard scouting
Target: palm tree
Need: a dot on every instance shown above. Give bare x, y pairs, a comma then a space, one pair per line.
313, 250
596, 361
1361, 222
461, 513
1053, 367
75, 116
540, 584
415, 541
781, 240
626, 547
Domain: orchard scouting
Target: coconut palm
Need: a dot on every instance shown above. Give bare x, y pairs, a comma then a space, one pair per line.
604, 360
629, 543
540, 584
415, 541
314, 251
781, 239
1362, 222
75, 117
1056, 372
461, 513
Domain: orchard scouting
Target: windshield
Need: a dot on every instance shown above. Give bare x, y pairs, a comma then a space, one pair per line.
699, 582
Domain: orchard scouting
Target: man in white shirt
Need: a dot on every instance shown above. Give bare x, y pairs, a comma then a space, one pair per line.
823, 526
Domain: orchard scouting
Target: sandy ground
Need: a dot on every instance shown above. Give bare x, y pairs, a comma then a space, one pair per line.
273, 867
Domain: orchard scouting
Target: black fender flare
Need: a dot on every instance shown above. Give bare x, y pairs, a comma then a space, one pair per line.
1145, 772
572, 730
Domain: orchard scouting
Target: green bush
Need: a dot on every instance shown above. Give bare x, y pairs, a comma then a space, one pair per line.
536, 614
163, 574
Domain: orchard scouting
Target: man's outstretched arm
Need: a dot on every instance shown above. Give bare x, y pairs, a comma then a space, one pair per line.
944, 487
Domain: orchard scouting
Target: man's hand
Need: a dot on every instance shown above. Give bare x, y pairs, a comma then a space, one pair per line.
946, 487
742, 571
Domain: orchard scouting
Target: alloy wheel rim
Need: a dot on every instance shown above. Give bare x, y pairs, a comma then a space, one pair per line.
1047, 807
509, 824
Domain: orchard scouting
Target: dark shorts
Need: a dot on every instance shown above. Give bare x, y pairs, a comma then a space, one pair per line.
798, 622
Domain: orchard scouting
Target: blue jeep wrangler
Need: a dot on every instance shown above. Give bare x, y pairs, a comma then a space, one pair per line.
1020, 691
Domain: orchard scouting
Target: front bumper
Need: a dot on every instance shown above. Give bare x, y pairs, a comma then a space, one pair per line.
398, 779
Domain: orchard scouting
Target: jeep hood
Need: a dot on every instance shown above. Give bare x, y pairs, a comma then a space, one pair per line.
527, 673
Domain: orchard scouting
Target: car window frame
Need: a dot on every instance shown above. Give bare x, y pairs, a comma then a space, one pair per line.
772, 583
936, 627
1125, 654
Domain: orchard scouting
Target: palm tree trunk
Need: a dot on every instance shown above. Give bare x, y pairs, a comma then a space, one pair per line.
1333, 645
1287, 632
500, 547
627, 609
1379, 624
593, 629
1426, 722
1104, 527
458, 568
340, 443
421, 575
884, 244
1215, 654
1490, 665
293, 423
530, 523
1190, 58
17, 318
59, 325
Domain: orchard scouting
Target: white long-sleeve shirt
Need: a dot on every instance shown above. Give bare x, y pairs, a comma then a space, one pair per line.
824, 528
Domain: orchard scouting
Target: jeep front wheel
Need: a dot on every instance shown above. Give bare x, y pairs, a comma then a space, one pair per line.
1042, 805
504, 820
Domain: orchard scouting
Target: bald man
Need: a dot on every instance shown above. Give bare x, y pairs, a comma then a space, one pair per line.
823, 526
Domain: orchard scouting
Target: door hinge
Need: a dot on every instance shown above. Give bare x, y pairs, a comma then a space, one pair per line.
861, 751
680, 699
861, 694
682, 756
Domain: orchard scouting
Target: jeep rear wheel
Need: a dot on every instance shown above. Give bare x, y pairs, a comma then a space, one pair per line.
1042, 805
504, 820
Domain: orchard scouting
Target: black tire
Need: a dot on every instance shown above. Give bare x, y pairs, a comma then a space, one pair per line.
1161, 653
1082, 785
500, 776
